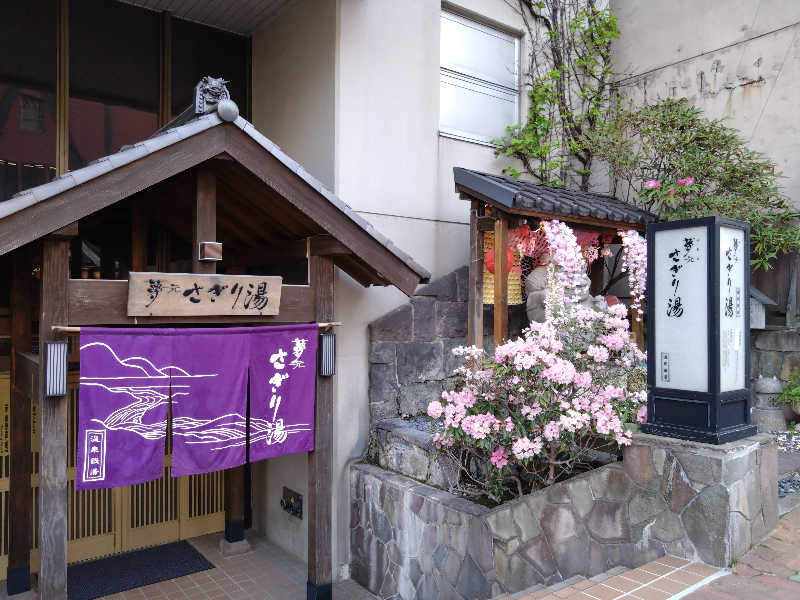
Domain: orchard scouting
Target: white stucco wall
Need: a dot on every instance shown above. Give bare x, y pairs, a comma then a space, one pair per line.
388, 162
394, 168
293, 104
738, 60
293, 84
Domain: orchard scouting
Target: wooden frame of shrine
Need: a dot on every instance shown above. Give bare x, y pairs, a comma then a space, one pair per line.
498, 204
207, 194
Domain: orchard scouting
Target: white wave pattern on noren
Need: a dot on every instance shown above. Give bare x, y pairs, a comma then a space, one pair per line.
225, 431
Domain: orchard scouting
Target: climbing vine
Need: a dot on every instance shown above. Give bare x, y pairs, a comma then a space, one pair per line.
568, 78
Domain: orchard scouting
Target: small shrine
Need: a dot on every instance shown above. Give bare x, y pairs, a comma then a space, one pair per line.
505, 213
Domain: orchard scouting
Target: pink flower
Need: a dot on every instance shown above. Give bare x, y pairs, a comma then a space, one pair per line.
652, 184
435, 409
441, 439
524, 448
641, 414
530, 412
686, 181
499, 458
509, 424
552, 431
634, 262
613, 341
598, 353
479, 426
561, 371
583, 380
671, 191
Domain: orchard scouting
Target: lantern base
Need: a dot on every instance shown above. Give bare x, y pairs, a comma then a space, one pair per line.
722, 436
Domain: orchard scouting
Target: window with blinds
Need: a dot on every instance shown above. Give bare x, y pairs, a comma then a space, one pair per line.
479, 80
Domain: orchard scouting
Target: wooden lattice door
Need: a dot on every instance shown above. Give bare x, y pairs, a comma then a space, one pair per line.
109, 521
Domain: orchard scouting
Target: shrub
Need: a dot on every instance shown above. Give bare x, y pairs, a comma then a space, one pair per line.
527, 416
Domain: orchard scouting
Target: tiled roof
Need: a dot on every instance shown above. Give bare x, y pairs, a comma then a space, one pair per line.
166, 138
518, 195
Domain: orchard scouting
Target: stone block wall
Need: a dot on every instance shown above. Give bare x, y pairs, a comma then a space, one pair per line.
413, 541
400, 447
774, 353
410, 347
410, 355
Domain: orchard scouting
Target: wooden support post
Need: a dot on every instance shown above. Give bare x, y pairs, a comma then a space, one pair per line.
205, 218
320, 461
205, 230
475, 289
500, 280
139, 232
52, 429
21, 495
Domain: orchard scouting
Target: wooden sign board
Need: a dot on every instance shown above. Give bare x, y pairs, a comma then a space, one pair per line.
189, 295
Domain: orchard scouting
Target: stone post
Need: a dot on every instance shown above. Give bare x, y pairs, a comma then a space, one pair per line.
765, 414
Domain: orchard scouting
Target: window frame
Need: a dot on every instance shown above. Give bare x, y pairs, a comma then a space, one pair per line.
472, 79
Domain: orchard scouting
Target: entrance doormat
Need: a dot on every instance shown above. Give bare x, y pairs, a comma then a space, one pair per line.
115, 574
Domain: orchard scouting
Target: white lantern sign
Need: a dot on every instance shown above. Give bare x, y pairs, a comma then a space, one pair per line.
698, 305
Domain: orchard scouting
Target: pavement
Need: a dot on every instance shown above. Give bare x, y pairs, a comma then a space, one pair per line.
770, 571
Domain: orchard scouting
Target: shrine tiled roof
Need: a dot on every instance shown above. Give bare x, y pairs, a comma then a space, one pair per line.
523, 197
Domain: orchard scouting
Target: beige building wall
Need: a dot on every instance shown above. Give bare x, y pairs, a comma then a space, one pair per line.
388, 162
293, 105
734, 59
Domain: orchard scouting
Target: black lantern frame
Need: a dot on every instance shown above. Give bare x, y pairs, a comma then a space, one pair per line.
714, 417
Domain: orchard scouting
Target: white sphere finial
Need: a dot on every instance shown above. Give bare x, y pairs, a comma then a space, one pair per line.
227, 110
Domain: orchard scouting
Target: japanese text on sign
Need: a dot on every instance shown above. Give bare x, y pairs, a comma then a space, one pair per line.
184, 294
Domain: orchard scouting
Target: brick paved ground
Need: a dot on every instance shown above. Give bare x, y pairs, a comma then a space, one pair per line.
763, 573
265, 573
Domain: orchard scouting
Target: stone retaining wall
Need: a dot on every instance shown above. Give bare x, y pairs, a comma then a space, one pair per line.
410, 347
413, 541
410, 355
774, 353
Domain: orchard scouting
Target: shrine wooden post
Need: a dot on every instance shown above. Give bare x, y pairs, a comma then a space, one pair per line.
53, 423
320, 461
475, 288
500, 278
18, 578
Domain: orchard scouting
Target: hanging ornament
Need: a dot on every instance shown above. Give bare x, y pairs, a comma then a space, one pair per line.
489, 260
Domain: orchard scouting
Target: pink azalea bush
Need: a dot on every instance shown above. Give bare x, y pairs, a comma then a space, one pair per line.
526, 416
634, 262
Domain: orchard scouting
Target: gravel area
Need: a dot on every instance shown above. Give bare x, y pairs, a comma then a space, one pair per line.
788, 484
788, 441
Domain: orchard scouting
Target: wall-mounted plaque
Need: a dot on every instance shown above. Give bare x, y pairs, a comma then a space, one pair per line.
188, 294
698, 309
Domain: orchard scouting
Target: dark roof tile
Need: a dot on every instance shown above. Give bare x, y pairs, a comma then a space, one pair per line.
559, 202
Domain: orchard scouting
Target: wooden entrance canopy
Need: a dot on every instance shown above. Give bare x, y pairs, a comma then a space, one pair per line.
208, 180
498, 203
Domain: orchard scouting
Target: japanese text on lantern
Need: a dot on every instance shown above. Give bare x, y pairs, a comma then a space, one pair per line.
184, 294
278, 432
679, 258
680, 291
732, 318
